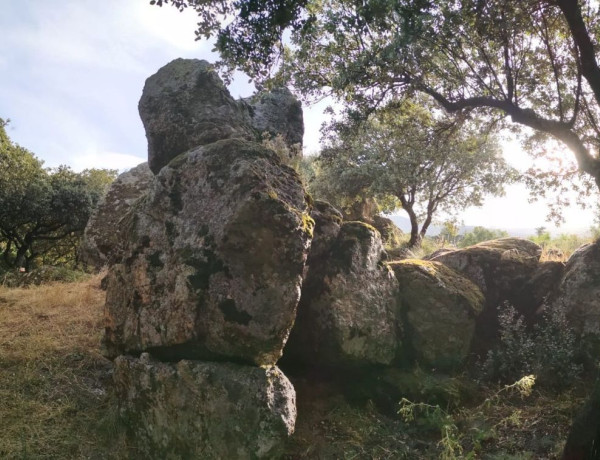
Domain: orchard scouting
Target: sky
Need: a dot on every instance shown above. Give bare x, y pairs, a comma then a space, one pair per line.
72, 73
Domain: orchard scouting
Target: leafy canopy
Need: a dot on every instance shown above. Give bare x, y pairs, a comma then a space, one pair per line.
428, 164
533, 61
43, 212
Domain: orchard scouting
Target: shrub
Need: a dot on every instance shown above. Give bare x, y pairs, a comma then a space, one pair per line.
549, 351
42, 275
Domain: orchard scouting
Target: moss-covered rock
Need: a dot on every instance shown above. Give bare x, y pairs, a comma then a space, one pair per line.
278, 112
578, 292
195, 409
501, 269
102, 243
214, 259
439, 308
184, 105
328, 221
391, 235
346, 317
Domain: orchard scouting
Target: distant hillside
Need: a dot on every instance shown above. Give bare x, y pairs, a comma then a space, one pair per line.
404, 224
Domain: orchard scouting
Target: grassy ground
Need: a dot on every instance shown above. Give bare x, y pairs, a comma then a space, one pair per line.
53, 380
55, 400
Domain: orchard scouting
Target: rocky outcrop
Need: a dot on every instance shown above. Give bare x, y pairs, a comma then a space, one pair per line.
539, 289
102, 242
391, 235
579, 290
496, 266
440, 307
328, 221
346, 317
209, 274
214, 261
185, 105
278, 112
500, 268
195, 409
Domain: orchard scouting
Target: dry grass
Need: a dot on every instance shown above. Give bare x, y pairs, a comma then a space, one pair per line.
53, 379
55, 402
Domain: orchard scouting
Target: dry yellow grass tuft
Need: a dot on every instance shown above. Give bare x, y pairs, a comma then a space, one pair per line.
53, 378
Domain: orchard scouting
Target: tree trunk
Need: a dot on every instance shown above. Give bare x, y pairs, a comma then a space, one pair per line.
415, 237
426, 224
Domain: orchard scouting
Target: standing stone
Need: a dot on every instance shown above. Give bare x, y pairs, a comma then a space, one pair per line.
346, 317
102, 242
328, 221
184, 105
496, 266
195, 409
500, 268
278, 113
440, 307
579, 290
214, 263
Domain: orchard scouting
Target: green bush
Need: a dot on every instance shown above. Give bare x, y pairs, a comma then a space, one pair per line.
550, 351
42, 275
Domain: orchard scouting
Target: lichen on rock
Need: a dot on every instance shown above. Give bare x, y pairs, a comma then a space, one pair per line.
439, 308
346, 317
501, 269
194, 409
102, 243
578, 293
215, 257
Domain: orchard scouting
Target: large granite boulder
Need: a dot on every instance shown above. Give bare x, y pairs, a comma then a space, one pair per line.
195, 409
496, 266
215, 257
579, 290
328, 221
278, 112
440, 307
346, 317
500, 268
102, 242
539, 290
391, 235
184, 105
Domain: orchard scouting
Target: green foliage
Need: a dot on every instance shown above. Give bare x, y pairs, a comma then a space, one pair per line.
425, 163
41, 275
43, 212
550, 351
560, 247
532, 62
452, 438
480, 234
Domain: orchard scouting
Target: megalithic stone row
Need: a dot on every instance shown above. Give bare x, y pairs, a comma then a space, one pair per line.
214, 259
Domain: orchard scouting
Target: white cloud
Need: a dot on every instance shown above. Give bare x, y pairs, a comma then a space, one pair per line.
108, 160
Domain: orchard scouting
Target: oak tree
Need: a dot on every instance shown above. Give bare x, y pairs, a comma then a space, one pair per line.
428, 163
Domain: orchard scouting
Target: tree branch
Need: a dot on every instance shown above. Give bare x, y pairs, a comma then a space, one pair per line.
587, 57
